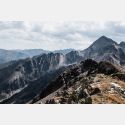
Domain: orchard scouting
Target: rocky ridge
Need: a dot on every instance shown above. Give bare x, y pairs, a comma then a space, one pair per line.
86, 83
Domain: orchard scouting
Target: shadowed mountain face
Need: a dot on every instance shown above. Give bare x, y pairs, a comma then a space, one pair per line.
33, 87
20, 74
105, 49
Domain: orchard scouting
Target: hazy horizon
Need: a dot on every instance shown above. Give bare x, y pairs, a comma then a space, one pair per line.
38, 49
20, 35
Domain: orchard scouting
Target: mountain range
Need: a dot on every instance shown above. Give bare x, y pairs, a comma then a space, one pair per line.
11, 55
35, 74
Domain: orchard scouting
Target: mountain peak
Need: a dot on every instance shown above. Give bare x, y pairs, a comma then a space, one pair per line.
103, 37
106, 39
102, 42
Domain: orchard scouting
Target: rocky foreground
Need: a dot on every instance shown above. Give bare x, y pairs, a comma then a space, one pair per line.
86, 83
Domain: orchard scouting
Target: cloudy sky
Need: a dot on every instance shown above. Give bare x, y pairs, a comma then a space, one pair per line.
57, 35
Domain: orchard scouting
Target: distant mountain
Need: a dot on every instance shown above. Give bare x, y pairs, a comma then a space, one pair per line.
105, 49
10, 55
33, 52
63, 51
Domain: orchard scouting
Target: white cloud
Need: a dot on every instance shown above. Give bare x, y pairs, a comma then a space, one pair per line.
57, 35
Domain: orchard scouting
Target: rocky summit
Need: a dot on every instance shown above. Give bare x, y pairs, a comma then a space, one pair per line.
105, 49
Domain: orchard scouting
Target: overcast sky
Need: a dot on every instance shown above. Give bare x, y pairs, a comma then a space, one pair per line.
57, 35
